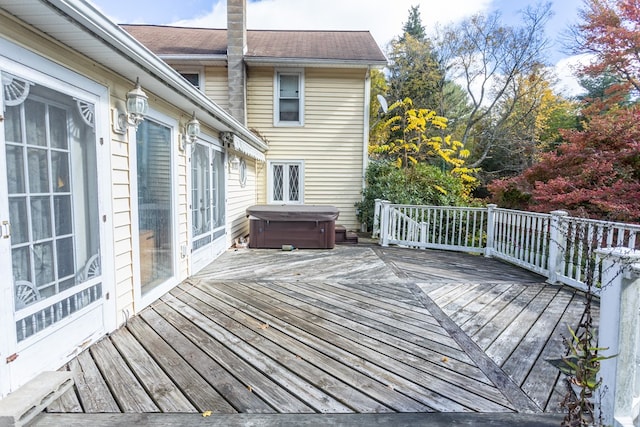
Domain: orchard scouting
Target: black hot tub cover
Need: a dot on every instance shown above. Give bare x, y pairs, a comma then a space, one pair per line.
293, 212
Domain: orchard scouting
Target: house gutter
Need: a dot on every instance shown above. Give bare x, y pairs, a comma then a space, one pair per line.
202, 59
94, 22
313, 62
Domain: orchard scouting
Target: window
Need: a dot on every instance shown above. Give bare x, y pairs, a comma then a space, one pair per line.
289, 98
193, 76
286, 182
242, 173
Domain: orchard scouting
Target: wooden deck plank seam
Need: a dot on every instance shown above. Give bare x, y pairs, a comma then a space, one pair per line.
509, 389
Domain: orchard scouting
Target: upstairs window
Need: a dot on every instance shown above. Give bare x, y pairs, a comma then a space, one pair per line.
289, 98
193, 77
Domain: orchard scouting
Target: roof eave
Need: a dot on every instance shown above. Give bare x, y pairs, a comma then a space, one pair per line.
197, 59
161, 79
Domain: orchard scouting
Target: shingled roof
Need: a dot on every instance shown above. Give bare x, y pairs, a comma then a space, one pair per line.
338, 46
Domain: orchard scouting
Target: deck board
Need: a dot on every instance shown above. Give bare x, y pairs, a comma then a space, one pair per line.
127, 390
536, 338
343, 345
155, 381
93, 392
342, 383
254, 380
203, 396
234, 391
514, 333
357, 329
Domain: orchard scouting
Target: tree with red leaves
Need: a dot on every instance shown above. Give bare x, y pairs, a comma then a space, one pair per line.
610, 34
596, 171
595, 174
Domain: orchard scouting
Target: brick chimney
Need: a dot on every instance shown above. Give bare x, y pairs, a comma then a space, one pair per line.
236, 48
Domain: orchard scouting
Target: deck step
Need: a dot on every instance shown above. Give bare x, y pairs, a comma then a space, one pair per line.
23, 405
432, 419
345, 237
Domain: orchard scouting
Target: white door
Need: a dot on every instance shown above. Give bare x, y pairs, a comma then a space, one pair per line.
51, 235
207, 204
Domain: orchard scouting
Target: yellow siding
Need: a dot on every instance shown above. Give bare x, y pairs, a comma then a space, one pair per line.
240, 198
216, 87
331, 141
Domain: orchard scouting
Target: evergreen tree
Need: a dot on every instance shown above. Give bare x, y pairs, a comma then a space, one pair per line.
414, 26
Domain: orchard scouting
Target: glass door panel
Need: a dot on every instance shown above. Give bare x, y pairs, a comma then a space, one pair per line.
155, 218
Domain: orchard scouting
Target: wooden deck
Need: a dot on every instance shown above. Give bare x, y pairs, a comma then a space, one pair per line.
357, 329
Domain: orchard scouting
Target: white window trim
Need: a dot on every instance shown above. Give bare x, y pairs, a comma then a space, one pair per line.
193, 70
276, 96
270, 164
143, 300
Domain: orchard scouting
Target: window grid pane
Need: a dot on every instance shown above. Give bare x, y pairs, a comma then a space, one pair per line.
294, 183
278, 183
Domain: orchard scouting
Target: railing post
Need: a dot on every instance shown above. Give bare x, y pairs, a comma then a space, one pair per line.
557, 244
619, 331
384, 223
376, 218
491, 226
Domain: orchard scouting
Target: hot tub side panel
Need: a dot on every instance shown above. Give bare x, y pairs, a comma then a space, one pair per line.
266, 234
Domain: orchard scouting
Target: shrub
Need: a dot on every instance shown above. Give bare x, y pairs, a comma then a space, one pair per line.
421, 184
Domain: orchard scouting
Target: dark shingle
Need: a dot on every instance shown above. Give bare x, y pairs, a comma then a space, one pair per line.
310, 45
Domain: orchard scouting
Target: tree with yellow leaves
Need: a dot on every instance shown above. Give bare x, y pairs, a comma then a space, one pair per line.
416, 135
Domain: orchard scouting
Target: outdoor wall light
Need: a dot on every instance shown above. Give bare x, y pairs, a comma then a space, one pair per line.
131, 113
192, 132
234, 163
137, 104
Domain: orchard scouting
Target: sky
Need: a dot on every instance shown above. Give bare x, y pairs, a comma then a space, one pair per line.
383, 18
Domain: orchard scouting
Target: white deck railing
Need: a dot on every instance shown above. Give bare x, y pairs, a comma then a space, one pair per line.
561, 248
554, 245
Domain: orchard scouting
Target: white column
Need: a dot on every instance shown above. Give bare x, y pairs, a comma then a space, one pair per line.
619, 332
384, 223
557, 244
491, 226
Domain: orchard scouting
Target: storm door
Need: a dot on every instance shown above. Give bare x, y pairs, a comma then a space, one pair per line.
49, 208
207, 204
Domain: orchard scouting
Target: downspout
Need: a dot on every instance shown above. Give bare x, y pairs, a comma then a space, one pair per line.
365, 133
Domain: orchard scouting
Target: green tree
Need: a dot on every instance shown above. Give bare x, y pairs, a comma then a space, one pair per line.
414, 72
414, 26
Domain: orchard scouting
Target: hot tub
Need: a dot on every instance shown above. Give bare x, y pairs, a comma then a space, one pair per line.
302, 226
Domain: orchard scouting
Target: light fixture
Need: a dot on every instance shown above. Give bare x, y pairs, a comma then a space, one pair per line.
192, 131
132, 112
137, 104
234, 163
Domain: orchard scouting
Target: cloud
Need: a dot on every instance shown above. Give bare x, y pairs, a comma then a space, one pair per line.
565, 69
383, 18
